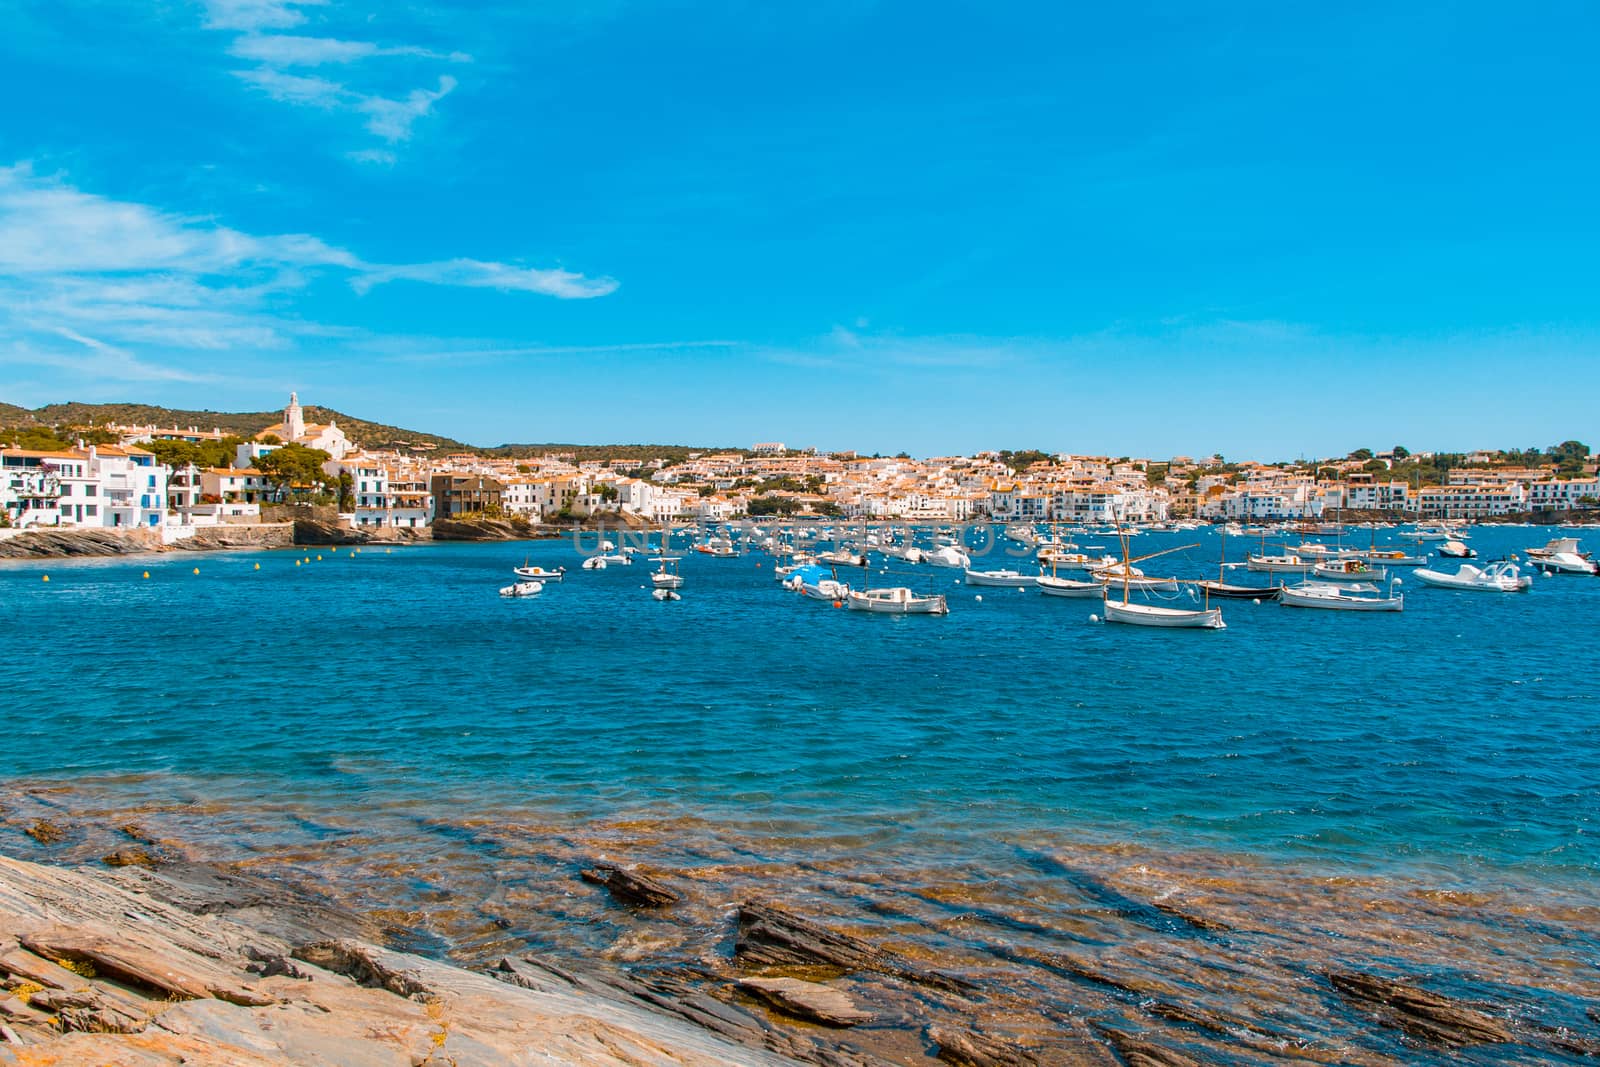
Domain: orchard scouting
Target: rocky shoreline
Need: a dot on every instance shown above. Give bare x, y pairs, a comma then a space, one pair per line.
737, 961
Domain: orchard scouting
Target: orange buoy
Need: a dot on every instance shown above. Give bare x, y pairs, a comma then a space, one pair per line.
47, 577
197, 570
838, 603
258, 566
147, 574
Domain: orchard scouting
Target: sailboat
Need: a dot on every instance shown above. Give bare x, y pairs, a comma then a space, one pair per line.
1223, 589
666, 577
1125, 611
1052, 585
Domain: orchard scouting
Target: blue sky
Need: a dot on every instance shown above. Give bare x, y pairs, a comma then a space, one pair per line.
1266, 230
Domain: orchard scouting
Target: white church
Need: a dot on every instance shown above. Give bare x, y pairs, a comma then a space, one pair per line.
294, 428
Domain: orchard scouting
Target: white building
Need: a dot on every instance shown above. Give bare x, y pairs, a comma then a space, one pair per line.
1562, 496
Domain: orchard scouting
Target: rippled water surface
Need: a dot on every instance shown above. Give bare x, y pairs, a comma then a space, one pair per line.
369, 699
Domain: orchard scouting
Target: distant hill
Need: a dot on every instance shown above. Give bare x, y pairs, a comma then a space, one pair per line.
364, 433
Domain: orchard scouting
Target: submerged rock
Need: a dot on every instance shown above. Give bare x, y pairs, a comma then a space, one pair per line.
769, 936
807, 1000
631, 887
1421, 1013
970, 1048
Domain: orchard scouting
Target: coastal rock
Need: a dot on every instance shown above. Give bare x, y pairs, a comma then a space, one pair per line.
1137, 1052
969, 1048
1423, 1014
807, 1000
171, 972
129, 857
69, 543
631, 887
46, 832
367, 966
769, 936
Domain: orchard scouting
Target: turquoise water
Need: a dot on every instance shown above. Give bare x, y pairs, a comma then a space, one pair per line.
1461, 733
1414, 794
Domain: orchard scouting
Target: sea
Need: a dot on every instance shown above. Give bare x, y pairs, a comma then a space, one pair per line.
1090, 821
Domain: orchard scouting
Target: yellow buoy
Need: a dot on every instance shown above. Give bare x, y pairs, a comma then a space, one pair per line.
147, 574
298, 562
47, 577
258, 566
319, 557
197, 570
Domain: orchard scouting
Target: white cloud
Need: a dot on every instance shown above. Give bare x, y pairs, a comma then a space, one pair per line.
252, 15
284, 50
392, 119
116, 279
356, 90
478, 275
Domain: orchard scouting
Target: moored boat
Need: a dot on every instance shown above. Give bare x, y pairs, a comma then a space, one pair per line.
1172, 618
1289, 563
1227, 591
1502, 576
1349, 570
1561, 555
1338, 597
896, 600
539, 574
519, 589
1050, 585
1003, 578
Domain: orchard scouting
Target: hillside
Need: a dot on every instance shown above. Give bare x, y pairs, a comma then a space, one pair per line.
365, 433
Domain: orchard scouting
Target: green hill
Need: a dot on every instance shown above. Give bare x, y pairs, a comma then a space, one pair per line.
73, 415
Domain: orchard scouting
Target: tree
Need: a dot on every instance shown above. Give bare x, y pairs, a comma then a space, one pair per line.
292, 467
606, 491
1362, 454
347, 495
1373, 466
1401, 452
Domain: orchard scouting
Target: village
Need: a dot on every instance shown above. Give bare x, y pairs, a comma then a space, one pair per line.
125, 485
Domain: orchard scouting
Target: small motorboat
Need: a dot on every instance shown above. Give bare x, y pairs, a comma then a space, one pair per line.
1289, 563
594, 563
1348, 570
949, 556
522, 589
1338, 597
897, 600
665, 594
1502, 576
539, 574
1391, 557
667, 577
1453, 549
1561, 556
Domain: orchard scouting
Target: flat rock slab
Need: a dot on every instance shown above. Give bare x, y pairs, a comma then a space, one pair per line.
807, 1000
969, 1048
174, 972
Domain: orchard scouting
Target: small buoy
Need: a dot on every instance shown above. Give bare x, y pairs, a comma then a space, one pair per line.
836, 603
319, 557
258, 566
298, 562
978, 597
1255, 600
387, 551
47, 577
147, 574
197, 570
1094, 618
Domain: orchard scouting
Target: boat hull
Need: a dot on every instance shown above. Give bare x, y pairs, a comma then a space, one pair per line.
1238, 592
1067, 587
1001, 579
1338, 601
1164, 618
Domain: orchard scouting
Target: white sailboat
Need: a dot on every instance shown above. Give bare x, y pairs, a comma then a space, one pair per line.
666, 575
1349, 570
1007, 579
1125, 611
539, 574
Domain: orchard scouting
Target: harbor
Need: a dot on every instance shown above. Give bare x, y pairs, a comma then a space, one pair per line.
1091, 823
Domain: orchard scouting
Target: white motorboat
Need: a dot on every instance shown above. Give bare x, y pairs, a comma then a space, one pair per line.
842, 557
1075, 561
522, 589
1338, 597
665, 576
539, 574
666, 594
594, 563
1457, 550
1021, 532
1152, 615
1050, 585
908, 553
1349, 570
1391, 557
1431, 531
1003, 578
1284, 564
823, 589
1499, 577
720, 547
949, 556
897, 600
1561, 556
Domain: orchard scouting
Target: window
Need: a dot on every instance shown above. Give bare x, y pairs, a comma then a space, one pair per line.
92, 510
90, 490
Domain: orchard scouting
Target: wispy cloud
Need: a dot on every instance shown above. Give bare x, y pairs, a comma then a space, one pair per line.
356, 90
98, 284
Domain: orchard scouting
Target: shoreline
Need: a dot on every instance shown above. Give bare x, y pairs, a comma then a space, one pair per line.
1194, 958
